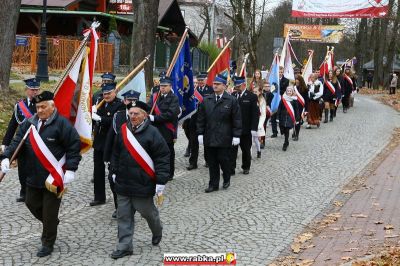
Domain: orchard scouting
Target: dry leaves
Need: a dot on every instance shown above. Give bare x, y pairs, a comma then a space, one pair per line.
338, 203
378, 222
299, 240
359, 215
388, 227
346, 258
347, 191
305, 263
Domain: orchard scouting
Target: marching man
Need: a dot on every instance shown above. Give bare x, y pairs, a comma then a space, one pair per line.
52, 146
140, 161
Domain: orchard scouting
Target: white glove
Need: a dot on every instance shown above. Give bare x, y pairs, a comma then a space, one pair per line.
113, 176
69, 176
200, 139
254, 133
235, 141
96, 117
94, 109
160, 189
3, 148
5, 165
151, 118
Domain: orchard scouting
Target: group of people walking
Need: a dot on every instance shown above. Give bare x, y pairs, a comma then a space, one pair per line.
135, 141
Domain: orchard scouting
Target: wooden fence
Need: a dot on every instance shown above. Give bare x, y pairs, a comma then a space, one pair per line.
60, 52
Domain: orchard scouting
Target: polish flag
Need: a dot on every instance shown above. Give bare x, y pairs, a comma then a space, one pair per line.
308, 70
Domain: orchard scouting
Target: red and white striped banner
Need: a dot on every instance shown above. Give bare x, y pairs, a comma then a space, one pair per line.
24, 109
198, 95
348, 79
330, 86
300, 98
157, 111
221, 42
48, 161
137, 152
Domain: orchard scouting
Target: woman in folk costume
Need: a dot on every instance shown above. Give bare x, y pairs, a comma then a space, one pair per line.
338, 75
262, 105
329, 95
301, 91
315, 91
288, 114
257, 80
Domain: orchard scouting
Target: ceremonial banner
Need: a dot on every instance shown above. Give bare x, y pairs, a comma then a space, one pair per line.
314, 33
220, 67
137, 84
183, 86
274, 80
340, 8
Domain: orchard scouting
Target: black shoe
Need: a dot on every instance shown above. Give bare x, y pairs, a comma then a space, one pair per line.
259, 154
117, 254
274, 136
331, 119
156, 240
284, 148
97, 202
21, 199
114, 215
211, 189
246, 171
226, 185
296, 138
44, 251
191, 167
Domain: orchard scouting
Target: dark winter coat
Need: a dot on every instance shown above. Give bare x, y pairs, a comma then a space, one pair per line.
119, 119
59, 136
204, 91
249, 110
328, 96
131, 180
284, 118
219, 121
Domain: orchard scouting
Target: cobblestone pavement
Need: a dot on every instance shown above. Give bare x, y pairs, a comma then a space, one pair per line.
257, 217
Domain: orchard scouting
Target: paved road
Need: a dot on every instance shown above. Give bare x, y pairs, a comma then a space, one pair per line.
257, 217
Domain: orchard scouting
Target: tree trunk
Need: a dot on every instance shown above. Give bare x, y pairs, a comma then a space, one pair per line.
145, 21
388, 69
360, 48
377, 55
9, 13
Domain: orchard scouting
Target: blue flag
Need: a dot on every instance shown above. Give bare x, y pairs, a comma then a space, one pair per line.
182, 78
274, 80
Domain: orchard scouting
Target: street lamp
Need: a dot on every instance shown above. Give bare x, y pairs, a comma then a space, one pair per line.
42, 67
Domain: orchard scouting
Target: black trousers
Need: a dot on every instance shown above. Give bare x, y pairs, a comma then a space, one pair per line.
392, 90
285, 131
22, 179
112, 186
218, 158
99, 176
245, 146
171, 160
346, 101
44, 205
274, 124
194, 146
186, 129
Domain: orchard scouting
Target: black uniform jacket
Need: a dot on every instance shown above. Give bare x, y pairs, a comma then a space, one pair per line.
100, 130
131, 180
59, 136
204, 91
17, 118
249, 111
169, 108
283, 84
119, 119
219, 121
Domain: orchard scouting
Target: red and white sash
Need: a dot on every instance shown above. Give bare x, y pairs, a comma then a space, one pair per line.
157, 111
289, 109
48, 161
330, 87
348, 79
198, 95
24, 109
299, 97
137, 152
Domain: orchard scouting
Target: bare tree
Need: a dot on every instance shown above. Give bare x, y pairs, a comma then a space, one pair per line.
145, 21
9, 13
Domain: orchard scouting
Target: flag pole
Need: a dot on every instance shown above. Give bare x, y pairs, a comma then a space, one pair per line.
244, 63
308, 61
132, 74
221, 53
74, 58
173, 62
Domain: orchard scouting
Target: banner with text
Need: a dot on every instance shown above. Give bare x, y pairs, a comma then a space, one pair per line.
340, 8
314, 33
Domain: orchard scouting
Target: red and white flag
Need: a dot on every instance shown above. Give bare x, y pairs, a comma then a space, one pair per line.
289, 109
221, 41
308, 69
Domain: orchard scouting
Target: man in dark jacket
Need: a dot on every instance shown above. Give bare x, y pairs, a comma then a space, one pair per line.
250, 114
140, 161
56, 134
107, 77
219, 126
165, 117
283, 84
119, 119
23, 109
204, 90
102, 119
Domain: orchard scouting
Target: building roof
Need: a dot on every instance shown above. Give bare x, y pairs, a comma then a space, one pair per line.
50, 3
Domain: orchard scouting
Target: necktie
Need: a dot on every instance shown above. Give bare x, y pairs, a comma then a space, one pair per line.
42, 126
218, 97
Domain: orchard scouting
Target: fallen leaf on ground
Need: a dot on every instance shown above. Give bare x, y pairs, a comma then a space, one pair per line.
338, 203
305, 263
388, 227
391, 236
295, 247
346, 258
378, 222
359, 215
347, 191
304, 237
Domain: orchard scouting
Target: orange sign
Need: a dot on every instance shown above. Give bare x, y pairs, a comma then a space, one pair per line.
314, 33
